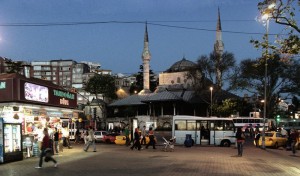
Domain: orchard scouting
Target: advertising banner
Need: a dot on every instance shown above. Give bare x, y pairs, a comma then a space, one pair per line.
34, 93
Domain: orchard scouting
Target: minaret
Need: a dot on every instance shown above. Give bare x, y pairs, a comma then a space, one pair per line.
146, 66
218, 50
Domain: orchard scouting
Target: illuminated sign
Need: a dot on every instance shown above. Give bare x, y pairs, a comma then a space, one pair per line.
36, 92
44, 95
63, 94
2, 85
64, 101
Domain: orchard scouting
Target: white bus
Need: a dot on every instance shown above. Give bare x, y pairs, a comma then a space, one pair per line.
250, 122
204, 130
288, 124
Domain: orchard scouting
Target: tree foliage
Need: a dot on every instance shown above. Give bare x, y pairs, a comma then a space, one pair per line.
284, 13
208, 65
281, 78
14, 66
139, 84
102, 85
230, 107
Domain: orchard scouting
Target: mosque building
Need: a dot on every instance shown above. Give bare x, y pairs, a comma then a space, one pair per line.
175, 94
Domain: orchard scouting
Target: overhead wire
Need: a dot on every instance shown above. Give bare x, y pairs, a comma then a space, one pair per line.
154, 23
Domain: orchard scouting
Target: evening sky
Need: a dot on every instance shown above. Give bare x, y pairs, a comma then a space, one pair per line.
111, 32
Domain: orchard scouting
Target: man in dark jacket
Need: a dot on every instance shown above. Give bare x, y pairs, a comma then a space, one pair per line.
46, 149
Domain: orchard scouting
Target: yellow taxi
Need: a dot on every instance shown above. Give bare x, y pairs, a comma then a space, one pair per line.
273, 139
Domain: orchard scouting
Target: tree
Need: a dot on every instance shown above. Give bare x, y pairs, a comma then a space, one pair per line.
14, 67
139, 84
102, 85
283, 13
230, 107
251, 78
210, 65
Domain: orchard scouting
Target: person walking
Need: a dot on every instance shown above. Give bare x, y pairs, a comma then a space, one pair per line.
143, 141
240, 137
294, 139
256, 138
82, 134
46, 150
127, 136
66, 137
136, 143
77, 137
91, 140
56, 141
151, 137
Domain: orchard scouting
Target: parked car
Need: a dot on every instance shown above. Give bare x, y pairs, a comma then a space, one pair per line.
99, 135
273, 139
110, 138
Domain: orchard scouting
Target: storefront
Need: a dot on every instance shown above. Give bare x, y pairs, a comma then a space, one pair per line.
36, 104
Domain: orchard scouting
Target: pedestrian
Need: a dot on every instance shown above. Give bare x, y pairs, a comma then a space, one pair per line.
136, 143
82, 134
56, 141
66, 137
85, 138
240, 137
40, 136
46, 150
61, 141
151, 137
91, 140
77, 137
283, 132
127, 136
294, 139
256, 137
143, 141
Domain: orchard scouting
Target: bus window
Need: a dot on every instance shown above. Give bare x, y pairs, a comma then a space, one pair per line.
228, 125
211, 126
219, 125
251, 121
239, 120
245, 121
180, 125
191, 125
257, 121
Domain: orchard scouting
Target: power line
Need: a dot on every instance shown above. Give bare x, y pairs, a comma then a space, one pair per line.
154, 23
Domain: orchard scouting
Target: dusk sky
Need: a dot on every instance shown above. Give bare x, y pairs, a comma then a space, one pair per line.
177, 29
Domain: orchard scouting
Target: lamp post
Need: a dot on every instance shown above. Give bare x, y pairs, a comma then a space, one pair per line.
211, 89
266, 17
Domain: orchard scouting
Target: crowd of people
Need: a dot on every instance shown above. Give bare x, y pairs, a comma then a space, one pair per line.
291, 135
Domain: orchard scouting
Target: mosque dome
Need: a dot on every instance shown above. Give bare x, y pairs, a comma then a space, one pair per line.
182, 65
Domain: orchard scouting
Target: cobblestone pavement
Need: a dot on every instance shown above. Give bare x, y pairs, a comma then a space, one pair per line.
121, 161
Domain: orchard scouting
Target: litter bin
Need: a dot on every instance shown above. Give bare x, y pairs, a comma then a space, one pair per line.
188, 140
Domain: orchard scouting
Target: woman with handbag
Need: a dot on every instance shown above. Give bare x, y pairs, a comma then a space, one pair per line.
46, 150
240, 137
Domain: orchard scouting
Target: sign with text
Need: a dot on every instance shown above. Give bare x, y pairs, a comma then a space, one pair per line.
47, 95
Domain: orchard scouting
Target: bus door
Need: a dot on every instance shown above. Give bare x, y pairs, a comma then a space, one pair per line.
204, 137
216, 132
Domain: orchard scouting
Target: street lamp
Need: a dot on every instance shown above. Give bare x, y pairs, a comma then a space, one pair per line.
211, 89
266, 17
